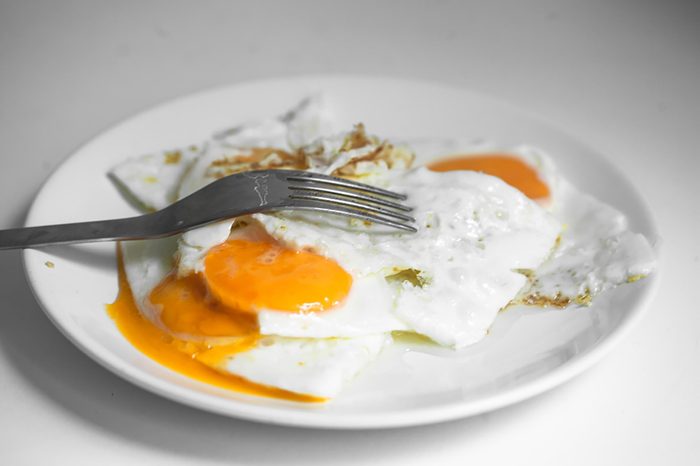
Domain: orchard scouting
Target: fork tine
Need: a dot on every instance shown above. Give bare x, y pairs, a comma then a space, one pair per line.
303, 204
307, 177
350, 194
353, 204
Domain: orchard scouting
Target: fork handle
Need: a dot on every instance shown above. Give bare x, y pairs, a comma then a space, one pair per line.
139, 227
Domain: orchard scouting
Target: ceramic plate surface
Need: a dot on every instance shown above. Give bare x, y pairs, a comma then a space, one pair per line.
527, 351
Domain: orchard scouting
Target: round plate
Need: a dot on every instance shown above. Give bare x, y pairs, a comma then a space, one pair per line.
527, 352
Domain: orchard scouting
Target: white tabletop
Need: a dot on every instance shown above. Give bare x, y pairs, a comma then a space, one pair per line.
623, 77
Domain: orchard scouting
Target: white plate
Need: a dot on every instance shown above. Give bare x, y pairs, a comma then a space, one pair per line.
527, 352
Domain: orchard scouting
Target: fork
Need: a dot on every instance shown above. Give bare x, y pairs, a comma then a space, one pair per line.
232, 196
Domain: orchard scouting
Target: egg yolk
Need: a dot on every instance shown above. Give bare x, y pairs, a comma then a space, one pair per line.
251, 276
208, 317
509, 168
193, 359
186, 308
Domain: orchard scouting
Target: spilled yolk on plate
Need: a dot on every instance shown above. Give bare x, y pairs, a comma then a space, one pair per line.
509, 168
217, 308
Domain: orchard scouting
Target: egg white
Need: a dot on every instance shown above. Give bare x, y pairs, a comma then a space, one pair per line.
154, 179
146, 264
317, 367
597, 251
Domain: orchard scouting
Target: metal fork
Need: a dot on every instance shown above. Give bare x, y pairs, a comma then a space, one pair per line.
231, 196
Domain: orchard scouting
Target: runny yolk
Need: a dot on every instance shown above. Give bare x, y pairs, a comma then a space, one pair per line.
185, 308
509, 168
201, 317
251, 276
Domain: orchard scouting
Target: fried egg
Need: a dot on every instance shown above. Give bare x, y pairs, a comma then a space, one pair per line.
596, 250
452, 277
164, 276
295, 304
179, 313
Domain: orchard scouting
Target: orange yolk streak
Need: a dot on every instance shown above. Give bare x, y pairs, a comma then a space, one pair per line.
188, 357
250, 276
510, 169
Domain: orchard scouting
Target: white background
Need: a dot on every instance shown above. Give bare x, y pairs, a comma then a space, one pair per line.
622, 76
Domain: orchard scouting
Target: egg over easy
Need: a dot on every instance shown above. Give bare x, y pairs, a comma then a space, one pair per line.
294, 304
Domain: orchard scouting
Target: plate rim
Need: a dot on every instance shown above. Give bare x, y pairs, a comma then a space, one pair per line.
414, 417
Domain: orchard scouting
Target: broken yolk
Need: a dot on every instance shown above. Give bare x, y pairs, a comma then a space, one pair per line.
252, 276
185, 308
509, 168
